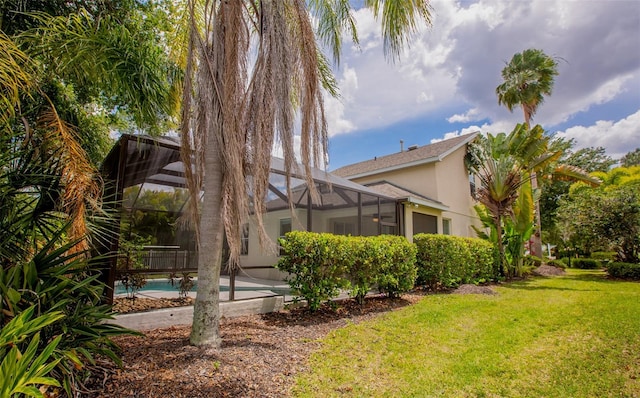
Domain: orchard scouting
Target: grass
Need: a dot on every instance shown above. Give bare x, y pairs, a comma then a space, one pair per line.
571, 336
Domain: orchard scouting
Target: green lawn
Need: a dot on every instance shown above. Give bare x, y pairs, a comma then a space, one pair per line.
571, 336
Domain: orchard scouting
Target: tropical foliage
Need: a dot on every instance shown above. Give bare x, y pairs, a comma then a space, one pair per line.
69, 72
505, 165
528, 77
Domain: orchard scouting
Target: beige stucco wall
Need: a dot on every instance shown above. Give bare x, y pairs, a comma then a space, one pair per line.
456, 195
446, 181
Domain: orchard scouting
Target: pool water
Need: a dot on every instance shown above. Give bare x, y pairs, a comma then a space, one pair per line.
164, 285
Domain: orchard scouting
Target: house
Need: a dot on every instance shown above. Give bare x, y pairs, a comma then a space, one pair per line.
430, 183
422, 189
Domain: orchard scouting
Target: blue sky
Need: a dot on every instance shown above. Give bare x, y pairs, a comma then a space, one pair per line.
444, 83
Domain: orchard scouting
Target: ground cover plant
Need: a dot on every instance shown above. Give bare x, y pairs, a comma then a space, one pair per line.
554, 337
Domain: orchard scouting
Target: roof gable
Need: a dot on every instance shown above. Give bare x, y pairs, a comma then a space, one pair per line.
425, 154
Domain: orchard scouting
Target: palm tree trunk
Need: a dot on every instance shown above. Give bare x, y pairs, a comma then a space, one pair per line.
536, 238
206, 311
500, 245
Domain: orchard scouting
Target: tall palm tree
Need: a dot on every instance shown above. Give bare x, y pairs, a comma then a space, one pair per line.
233, 113
528, 77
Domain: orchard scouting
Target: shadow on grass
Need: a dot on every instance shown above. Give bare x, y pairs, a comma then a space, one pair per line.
597, 276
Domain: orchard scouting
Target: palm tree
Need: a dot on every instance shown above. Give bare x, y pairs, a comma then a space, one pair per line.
506, 165
528, 77
58, 75
233, 113
500, 180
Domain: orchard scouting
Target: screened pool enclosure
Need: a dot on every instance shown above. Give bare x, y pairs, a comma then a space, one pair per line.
146, 177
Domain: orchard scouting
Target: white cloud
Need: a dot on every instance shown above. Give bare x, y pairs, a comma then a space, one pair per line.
618, 137
456, 64
469, 116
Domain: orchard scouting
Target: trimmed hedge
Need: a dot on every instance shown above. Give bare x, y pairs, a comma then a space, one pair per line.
316, 265
624, 270
448, 261
585, 263
398, 273
319, 265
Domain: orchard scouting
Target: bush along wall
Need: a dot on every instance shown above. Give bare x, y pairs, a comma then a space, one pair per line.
448, 261
319, 265
624, 270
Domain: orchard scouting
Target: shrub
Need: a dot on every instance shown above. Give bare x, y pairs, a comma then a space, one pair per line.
624, 270
604, 256
557, 263
444, 260
398, 273
585, 263
532, 261
363, 260
316, 265
483, 260
58, 279
185, 283
20, 369
319, 265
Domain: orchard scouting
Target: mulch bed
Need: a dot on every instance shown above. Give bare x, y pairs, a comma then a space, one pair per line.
548, 270
259, 357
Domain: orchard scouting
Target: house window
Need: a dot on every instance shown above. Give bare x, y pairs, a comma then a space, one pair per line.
244, 240
446, 226
285, 226
424, 223
472, 185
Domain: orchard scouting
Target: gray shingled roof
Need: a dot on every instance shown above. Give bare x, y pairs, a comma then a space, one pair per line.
400, 193
424, 154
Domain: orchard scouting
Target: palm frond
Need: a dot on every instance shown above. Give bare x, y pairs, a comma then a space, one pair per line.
16, 76
400, 19
108, 55
565, 172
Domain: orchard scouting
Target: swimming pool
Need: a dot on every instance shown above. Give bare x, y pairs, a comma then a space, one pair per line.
164, 285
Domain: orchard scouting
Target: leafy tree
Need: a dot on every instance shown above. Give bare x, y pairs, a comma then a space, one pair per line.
631, 159
68, 72
528, 77
587, 159
606, 217
241, 110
